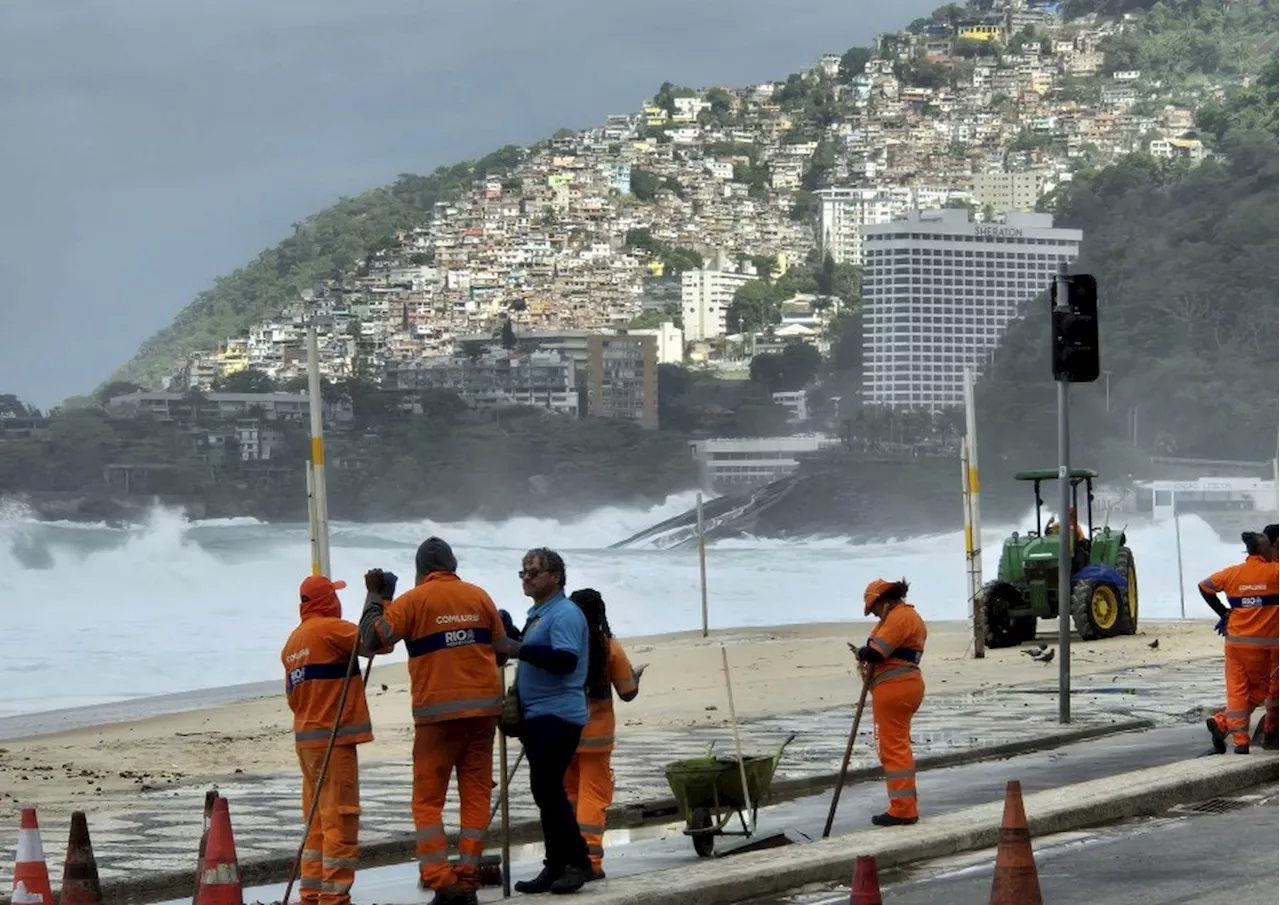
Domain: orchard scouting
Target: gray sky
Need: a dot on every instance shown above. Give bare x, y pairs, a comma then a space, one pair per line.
149, 146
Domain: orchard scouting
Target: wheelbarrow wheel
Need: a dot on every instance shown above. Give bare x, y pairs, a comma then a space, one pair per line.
703, 843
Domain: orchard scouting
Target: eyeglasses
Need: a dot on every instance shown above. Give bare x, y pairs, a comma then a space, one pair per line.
527, 574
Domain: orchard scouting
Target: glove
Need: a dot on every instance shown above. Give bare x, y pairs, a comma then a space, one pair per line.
380, 583
1221, 627
508, 626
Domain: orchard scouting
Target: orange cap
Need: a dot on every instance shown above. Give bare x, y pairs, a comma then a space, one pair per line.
317, 587
877, 589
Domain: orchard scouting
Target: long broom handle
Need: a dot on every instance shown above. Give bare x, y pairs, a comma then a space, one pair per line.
848, 754
737, 739
324, 764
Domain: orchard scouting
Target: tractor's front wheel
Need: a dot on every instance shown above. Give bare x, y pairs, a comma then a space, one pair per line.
1099, 610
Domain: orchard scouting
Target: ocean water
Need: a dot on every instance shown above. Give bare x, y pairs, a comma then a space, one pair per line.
93, 614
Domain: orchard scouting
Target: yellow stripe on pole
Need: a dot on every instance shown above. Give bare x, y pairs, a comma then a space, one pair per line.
315, 567
968, 539
973, 480
317, 451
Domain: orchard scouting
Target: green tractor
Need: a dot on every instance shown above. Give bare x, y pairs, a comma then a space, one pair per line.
1104, 581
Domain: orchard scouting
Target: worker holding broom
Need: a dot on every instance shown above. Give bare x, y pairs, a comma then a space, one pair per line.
318, 661
589, 779
456, 641
890, 666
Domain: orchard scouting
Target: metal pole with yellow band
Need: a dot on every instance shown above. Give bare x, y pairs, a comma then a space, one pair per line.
320, 549
973, 524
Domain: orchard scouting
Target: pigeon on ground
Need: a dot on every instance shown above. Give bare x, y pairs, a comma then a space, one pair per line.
1045, 657
1033, 651
1154, 644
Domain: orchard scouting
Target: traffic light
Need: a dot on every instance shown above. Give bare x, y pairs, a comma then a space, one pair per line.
1075, 330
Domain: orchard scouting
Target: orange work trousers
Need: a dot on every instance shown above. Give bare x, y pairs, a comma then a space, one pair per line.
464, 745
1251, 683
331, 851
893, 703
589, 785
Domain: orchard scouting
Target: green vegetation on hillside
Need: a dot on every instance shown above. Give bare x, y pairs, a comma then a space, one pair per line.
1186, 262
324, 246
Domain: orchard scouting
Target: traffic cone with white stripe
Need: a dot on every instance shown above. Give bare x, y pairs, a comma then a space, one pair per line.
30, 873
209, 798
865, 889
220, 880
80, 885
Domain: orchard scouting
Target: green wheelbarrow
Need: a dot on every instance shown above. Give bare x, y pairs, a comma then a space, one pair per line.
709, 792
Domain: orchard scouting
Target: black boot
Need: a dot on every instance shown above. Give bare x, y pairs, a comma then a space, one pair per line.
1242, 749
1217, 735
573, 879
541, 883
887, 819
453, 895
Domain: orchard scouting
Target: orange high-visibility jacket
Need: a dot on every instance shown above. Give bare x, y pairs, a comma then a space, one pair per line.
899, 637
315, 662
598, 734
1253, 591
450, 628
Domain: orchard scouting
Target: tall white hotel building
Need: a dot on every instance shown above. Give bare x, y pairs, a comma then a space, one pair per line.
937, 293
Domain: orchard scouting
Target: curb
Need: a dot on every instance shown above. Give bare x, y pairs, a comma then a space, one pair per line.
276, 868
1125, 795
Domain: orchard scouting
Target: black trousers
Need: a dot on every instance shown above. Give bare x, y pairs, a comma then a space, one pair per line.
549, 744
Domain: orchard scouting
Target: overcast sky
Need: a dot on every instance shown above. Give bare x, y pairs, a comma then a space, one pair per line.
148, 146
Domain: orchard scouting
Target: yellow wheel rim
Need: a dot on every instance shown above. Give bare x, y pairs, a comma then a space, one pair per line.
1132, 578
1104, 607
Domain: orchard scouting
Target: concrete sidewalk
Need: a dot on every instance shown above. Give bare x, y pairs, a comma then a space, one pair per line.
159, 834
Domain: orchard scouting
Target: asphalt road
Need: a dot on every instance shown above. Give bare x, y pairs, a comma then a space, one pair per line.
1181, 858
630, 852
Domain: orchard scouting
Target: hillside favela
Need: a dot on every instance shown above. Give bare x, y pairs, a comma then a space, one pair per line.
742, 279
751, 402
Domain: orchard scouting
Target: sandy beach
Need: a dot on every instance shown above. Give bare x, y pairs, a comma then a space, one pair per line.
775, 671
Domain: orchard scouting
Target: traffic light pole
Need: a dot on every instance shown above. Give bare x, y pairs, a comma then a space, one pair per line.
1066, 531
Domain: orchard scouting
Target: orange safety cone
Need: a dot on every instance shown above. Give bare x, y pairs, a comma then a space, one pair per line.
209, 798
220, 880
866, 882
80, 885
1016, 881
30, 873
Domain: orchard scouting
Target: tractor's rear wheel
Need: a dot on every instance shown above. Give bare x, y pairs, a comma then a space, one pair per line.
1126, 567
1098, 610
998, 603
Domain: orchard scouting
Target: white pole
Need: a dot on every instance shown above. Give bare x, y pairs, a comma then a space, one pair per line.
1177, 536
317, 455
974, 618
737, 739
702, 563
311, 521
973, 534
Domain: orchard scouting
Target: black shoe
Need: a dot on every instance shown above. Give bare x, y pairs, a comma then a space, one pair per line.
539, 884
573, 879
1242, 749
887, 819
453, 895
1218, 736
597, 874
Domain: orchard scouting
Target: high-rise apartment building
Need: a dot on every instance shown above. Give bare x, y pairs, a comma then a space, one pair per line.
938, 292
622, 378
705, 297
1007, 191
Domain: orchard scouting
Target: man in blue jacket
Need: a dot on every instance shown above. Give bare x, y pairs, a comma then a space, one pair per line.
551, 682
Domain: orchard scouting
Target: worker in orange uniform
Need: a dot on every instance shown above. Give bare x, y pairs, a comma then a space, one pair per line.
1252, 632
891, 668
456, 640
316, 659
589, 779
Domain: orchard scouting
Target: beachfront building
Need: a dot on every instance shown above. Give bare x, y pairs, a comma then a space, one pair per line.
727, 463
939, 291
